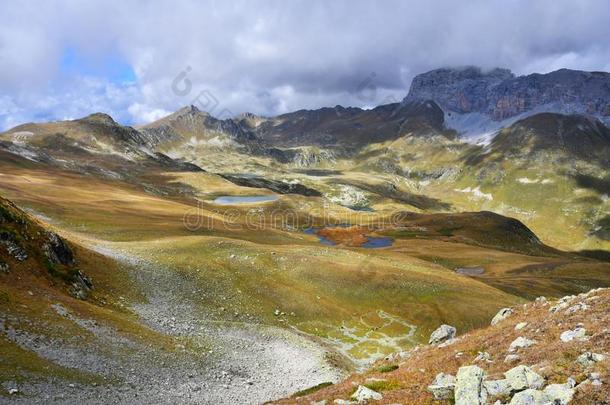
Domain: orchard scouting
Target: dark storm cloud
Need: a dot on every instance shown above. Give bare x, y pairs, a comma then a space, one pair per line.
273, 56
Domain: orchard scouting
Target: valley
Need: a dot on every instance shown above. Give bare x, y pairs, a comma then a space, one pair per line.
219, 251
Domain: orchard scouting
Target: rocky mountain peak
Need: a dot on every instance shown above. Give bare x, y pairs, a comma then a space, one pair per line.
500, 95
99, 118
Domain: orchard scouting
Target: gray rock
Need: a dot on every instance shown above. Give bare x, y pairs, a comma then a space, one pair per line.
523, 377
559, 394
363, 394
520, 325
469, 386
442, 334
588, 359
520, 343
511, 358
576, 334
502, 315
530, 397
497, 387
443, 386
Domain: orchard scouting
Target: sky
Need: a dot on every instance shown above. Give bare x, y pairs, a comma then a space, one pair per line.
141, 60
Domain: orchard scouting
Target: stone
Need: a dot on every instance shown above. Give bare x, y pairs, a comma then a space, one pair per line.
530, 397
520, 325
511, 358
483, 356
442, 334
502, 315
541, 301
13, 391
342, 402
595, 379
443, 386
520, 343
588, 359
469, 386
581, 306
523, 377
497, 387
4, 268
576, 334
363, 394
559, 394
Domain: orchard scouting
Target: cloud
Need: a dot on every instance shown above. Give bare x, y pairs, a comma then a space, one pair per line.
270, 57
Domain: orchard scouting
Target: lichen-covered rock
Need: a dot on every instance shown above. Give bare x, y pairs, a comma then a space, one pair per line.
502, 315
587, 359
576, 334
559, 394
520, 343
443, 386
530, 397
442, 334
469, 386
363, 394
523, 377
495, 388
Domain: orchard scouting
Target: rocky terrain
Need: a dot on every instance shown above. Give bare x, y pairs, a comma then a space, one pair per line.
541, 353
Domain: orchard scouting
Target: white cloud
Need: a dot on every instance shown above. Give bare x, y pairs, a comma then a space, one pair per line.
270, 57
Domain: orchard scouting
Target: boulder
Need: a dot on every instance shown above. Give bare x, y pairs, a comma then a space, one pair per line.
559, 394
569, 335
520, 325
588, 359
520, 343
511, 358
442, 387
502, 315
363, 394
530, 397
469, 386
495, 388
442, 334
523, 377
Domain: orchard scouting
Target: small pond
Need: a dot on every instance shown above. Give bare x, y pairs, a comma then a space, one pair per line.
372, 242
250, 199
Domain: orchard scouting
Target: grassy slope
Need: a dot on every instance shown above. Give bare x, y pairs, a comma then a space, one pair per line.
252, 273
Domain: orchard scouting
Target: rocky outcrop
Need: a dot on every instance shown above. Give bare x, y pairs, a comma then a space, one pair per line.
57, 251
442, 334
499, 94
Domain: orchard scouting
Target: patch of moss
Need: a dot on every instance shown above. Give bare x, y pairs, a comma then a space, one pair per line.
383, 385
387, 368
311, 390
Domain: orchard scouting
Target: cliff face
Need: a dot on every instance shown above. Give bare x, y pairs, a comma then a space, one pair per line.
500, 95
